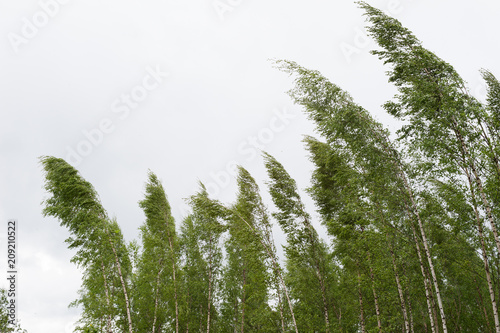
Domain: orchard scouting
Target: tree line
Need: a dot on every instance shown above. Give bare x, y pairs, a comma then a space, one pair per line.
412, 222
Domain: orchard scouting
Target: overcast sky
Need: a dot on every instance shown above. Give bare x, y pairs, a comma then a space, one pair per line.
183, 88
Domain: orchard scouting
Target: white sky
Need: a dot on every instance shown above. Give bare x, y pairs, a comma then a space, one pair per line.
221, 95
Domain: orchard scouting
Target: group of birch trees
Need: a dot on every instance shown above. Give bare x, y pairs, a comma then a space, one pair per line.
412, 240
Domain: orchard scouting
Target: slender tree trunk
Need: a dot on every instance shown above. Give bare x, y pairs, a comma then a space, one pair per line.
429, 258
289, 303
280, 306
375, 297
481, 302
400, 289
323, 296
280, 276
235, 316
172, 254
424, 321
428, 284
433, 303
175, 282
276, 267
361, 310
426, 281
175, 297
384, 141
243, 302
325, 306
468, 155
156, 296
271, 251
188, 310
201, 319
484, 253
127, 302
458, 309
319, 275
209, 283
472, 165
108, 324
340, 319
487, 206
372, 278
412, 330
402, 176
497, 282
494, 158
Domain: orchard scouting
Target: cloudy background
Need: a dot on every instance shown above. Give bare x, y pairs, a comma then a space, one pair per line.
183, 88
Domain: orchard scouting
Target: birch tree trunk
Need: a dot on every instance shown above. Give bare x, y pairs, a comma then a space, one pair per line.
108, 324
125, 293
156, 296
242, 330
468, 156
276, 266
361, 310
209, 284
375, 297
484, 254
172, 254
426, 281
400, 289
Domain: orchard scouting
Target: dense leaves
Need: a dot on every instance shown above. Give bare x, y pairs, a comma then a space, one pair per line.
411, 241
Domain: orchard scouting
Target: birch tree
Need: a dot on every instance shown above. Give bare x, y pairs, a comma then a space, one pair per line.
247, 274
202, 262
450, 131
101, 249
157, 288
309, 269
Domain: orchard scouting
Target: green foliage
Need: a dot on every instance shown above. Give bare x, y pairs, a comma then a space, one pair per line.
4, 316
309, 271
101, 250
247, 272
155, 286
201, 232
411, 224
